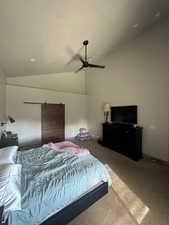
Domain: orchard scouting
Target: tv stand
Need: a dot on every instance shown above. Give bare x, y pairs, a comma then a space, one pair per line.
123, 138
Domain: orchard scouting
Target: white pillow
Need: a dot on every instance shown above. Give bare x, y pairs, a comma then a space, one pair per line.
10, 186
8, 155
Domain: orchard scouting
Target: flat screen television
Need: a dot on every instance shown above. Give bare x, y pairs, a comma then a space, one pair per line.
124, 114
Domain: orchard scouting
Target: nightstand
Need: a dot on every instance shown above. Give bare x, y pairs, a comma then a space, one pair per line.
9, 140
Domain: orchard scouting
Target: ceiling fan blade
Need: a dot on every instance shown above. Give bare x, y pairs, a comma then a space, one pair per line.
73, 56
80, 57
79, 69
96, 66
72, 60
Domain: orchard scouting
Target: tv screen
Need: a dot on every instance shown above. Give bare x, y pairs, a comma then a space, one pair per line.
124, 114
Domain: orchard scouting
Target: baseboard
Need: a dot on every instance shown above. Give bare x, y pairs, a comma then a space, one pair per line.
155, 160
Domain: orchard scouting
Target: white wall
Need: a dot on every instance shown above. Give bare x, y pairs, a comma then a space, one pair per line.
65, 82
28, 117
137, 74
2, 97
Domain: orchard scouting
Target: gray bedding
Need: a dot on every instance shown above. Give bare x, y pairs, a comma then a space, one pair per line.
51, 180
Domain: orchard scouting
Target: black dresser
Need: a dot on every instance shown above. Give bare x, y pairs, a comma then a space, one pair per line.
123, 138
9, 140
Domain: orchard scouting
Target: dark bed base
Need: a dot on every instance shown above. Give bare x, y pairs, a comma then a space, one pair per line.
1, 211
64, 216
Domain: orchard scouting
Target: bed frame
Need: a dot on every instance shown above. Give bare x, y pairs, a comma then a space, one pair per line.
68, 213
1, 211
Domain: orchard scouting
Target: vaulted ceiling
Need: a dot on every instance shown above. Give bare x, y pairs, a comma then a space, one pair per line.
41, 36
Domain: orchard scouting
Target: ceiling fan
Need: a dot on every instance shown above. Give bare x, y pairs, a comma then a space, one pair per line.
84, 61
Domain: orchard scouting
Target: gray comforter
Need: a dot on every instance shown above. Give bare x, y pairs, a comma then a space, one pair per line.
51, 180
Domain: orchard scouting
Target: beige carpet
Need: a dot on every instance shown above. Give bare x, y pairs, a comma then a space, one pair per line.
139, 194
107, 211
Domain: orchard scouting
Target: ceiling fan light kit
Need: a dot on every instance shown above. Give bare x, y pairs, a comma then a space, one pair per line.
85, 63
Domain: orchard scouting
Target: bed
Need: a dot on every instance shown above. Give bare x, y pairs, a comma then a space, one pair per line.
57, 186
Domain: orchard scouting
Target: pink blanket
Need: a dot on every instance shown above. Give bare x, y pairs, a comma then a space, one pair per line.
67, 146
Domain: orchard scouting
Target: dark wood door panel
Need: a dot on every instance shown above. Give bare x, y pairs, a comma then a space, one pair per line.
53, 122
53, 126
53, 133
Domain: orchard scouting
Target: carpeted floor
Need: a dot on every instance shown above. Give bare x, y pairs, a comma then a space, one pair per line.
139, 193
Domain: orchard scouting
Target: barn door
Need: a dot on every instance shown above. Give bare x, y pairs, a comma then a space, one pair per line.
53, 122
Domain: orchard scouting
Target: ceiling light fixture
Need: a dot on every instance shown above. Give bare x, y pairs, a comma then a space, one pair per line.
157, 14
135, 26
32, 60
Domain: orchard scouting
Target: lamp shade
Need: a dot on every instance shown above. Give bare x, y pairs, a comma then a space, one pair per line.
107, 107
11, 119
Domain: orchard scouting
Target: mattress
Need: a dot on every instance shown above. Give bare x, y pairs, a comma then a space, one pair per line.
52, 180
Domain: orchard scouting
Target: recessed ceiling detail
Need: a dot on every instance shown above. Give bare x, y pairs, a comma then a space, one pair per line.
157, 14
32, 60
135, 25
46, 29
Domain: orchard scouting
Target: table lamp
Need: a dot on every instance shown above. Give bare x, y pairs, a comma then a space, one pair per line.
107, 110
